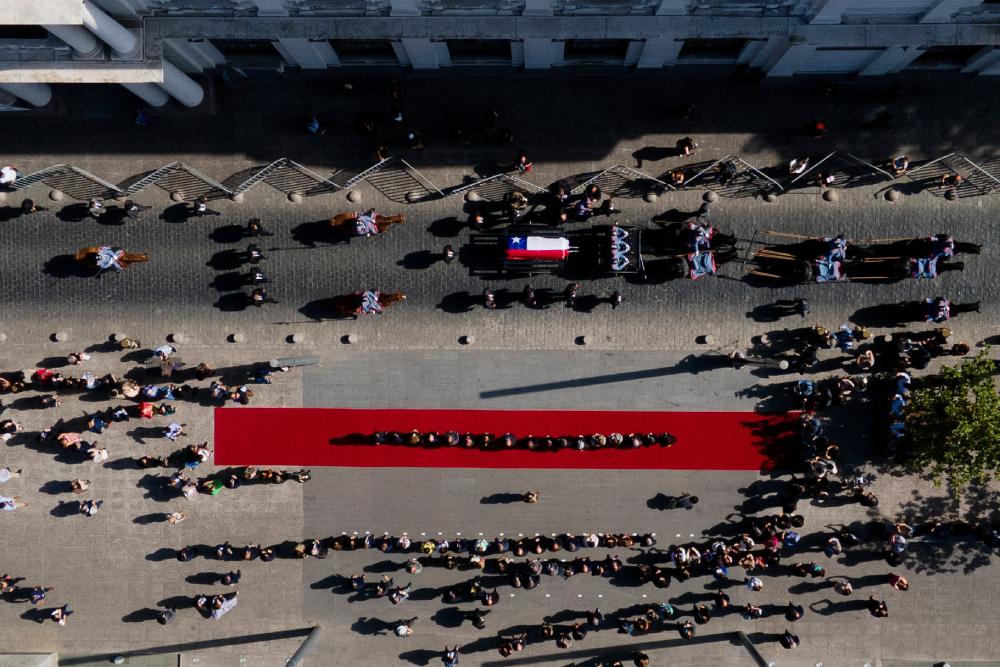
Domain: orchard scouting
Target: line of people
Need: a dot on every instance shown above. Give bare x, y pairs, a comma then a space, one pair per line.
594, 441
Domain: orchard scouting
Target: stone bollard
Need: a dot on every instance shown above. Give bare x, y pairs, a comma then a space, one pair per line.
55, 195
350, 339
3, 337
237, 198
178, 338
770, 197
353, 196
892, 195
705, 339
951, 195
296, 338
709, 196
237, 338
295, 197
176, 196
649, 197
413, 196
583, 340
60, 336
830, 195
467, 339
472, 195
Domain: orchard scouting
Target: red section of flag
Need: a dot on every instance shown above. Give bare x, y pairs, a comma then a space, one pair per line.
537, 254
342, 437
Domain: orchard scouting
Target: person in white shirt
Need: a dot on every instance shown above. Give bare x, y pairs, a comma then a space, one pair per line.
8, 175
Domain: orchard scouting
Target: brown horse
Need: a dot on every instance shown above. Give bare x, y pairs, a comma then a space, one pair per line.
346, 223
349, 305
88, 257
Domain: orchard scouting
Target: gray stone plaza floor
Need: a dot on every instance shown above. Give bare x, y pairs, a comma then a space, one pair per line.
115, 567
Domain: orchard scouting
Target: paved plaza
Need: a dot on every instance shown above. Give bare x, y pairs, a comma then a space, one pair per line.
117, 568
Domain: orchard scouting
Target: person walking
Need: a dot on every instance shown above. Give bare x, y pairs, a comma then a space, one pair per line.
11, 504
450, 657
877, 608
89, 507
788, 640
28, 206
134, 210
6, 474
404, 627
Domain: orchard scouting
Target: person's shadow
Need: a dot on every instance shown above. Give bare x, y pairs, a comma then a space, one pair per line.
772, 312
662, 501
653, 154
371, 626
502, 499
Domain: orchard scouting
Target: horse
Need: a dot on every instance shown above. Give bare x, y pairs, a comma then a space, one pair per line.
794, 271
350, 305
691, 266
346, 224
88, 257
676, 238
927, 246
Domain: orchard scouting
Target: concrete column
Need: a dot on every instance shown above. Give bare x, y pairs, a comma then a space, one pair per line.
986, 58
541, 53
403, 8
110, 31
270, 8
308, 54
150, 93
892, 60
944, 10
421, 52
537, 8
123, 8
181, 87
673, 8
769, 53
831, 11
35, 94
81, 39
193, 55
992, 70
659, 51
789, 63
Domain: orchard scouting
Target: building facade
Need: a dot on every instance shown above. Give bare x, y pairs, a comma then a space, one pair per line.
152, 47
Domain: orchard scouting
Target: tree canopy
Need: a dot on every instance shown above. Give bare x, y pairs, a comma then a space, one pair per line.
953, 423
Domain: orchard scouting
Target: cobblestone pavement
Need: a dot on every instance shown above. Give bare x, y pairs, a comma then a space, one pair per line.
114, 566
191, 283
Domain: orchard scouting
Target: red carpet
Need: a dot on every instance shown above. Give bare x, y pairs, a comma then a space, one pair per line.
302, 437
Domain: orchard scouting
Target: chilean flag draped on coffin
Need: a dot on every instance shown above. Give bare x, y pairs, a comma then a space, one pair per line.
537, 247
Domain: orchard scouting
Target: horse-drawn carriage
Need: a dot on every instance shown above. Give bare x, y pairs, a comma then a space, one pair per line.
603, 250
836, 259
365, 302
693, 249
104, 258
364, 223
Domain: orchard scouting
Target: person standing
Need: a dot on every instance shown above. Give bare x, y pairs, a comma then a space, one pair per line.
60, 614
521, 162
6, 474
